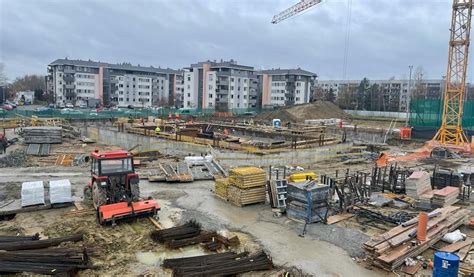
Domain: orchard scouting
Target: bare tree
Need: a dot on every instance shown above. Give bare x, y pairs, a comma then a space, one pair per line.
418, 84
3, 76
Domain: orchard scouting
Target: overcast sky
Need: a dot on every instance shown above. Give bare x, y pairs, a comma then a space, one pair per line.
385, 35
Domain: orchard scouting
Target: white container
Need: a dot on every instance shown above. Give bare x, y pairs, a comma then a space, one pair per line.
60, 191
32, 193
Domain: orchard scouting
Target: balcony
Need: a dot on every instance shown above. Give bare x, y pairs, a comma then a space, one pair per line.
69, 70
69, 86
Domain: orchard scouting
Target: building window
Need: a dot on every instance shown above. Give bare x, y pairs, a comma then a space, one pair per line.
232, 79
210, 95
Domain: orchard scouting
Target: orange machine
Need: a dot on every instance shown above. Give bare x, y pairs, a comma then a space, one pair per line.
114, 188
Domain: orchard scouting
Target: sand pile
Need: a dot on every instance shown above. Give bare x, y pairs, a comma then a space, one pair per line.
300, 113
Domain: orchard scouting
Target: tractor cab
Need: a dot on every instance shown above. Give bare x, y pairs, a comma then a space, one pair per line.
114, 187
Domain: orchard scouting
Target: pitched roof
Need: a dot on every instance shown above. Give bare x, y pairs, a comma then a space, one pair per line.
124, 66
297, 71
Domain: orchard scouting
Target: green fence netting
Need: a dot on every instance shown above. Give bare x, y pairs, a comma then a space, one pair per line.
427, 113
134, 113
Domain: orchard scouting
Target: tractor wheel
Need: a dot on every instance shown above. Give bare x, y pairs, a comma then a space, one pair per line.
87, 197
99, 196
135, 190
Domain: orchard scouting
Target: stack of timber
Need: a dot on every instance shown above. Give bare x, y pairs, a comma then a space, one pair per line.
445, 197
32, 255
247, 186
307, 201
389, 250
247, 177
43, 134
224, 264
241, 197
188, 230
221, 186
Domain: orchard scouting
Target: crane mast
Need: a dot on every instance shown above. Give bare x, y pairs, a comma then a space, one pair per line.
295, 9
451, 131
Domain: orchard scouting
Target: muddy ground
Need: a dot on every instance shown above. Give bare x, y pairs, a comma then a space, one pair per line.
126, 249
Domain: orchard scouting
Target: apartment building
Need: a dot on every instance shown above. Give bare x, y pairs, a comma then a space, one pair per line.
77, 81
283, 87
220, 85
393, 93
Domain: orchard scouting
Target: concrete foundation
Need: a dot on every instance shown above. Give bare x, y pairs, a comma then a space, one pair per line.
227, 158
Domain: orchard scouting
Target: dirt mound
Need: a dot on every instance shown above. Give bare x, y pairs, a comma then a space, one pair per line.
300, 113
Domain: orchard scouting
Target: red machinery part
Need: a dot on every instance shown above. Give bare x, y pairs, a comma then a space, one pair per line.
112, 212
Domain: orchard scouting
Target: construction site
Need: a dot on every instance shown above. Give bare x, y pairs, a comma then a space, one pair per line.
301, 190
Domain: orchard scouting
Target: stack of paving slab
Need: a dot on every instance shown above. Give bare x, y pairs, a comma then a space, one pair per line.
43, 134
418, 187
307, 201
60, 191
445, 197
32, 193
417, 184
246, 186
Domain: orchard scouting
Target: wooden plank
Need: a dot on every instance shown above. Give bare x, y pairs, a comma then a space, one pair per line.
339, 217
456, 246
78, 206
464, 251
156, 223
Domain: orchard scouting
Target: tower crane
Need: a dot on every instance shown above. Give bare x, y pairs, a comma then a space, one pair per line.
450, 131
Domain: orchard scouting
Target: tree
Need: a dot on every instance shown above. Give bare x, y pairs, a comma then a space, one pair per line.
363, 98
330, 96
419, 90
3, 76
346, 97
318, 94
28, 82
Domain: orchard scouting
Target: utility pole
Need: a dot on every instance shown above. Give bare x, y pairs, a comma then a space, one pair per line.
408, 97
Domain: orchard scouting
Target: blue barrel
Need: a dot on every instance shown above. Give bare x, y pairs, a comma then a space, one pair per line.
445, 264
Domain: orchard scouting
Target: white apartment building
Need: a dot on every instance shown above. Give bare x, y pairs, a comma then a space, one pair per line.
77, 81
220, 85
283, 87
393, 90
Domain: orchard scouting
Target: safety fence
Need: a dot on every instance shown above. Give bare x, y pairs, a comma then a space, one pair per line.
428, 113
131, 113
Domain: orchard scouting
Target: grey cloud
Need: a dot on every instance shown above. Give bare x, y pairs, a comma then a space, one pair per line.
386, 35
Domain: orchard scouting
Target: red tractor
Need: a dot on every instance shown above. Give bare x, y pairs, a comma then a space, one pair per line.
114, 188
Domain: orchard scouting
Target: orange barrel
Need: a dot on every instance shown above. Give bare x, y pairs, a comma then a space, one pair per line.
422, 225
405, 132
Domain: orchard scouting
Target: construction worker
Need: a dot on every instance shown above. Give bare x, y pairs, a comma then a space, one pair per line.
157, 130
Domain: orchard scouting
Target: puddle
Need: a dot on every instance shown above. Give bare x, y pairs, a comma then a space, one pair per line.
168, 216
148, 258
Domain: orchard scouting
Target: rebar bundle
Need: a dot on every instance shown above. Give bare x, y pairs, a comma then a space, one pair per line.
19, 238
188, 230
37, 244
202, 260
45, 261
258, 261
202, 237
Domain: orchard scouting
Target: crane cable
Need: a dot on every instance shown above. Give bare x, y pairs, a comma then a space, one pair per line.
347, 39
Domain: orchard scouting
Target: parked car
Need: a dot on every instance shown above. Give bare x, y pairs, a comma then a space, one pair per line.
130, 107
70, 111
69, 105
43, 109
12, 104
7, 107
